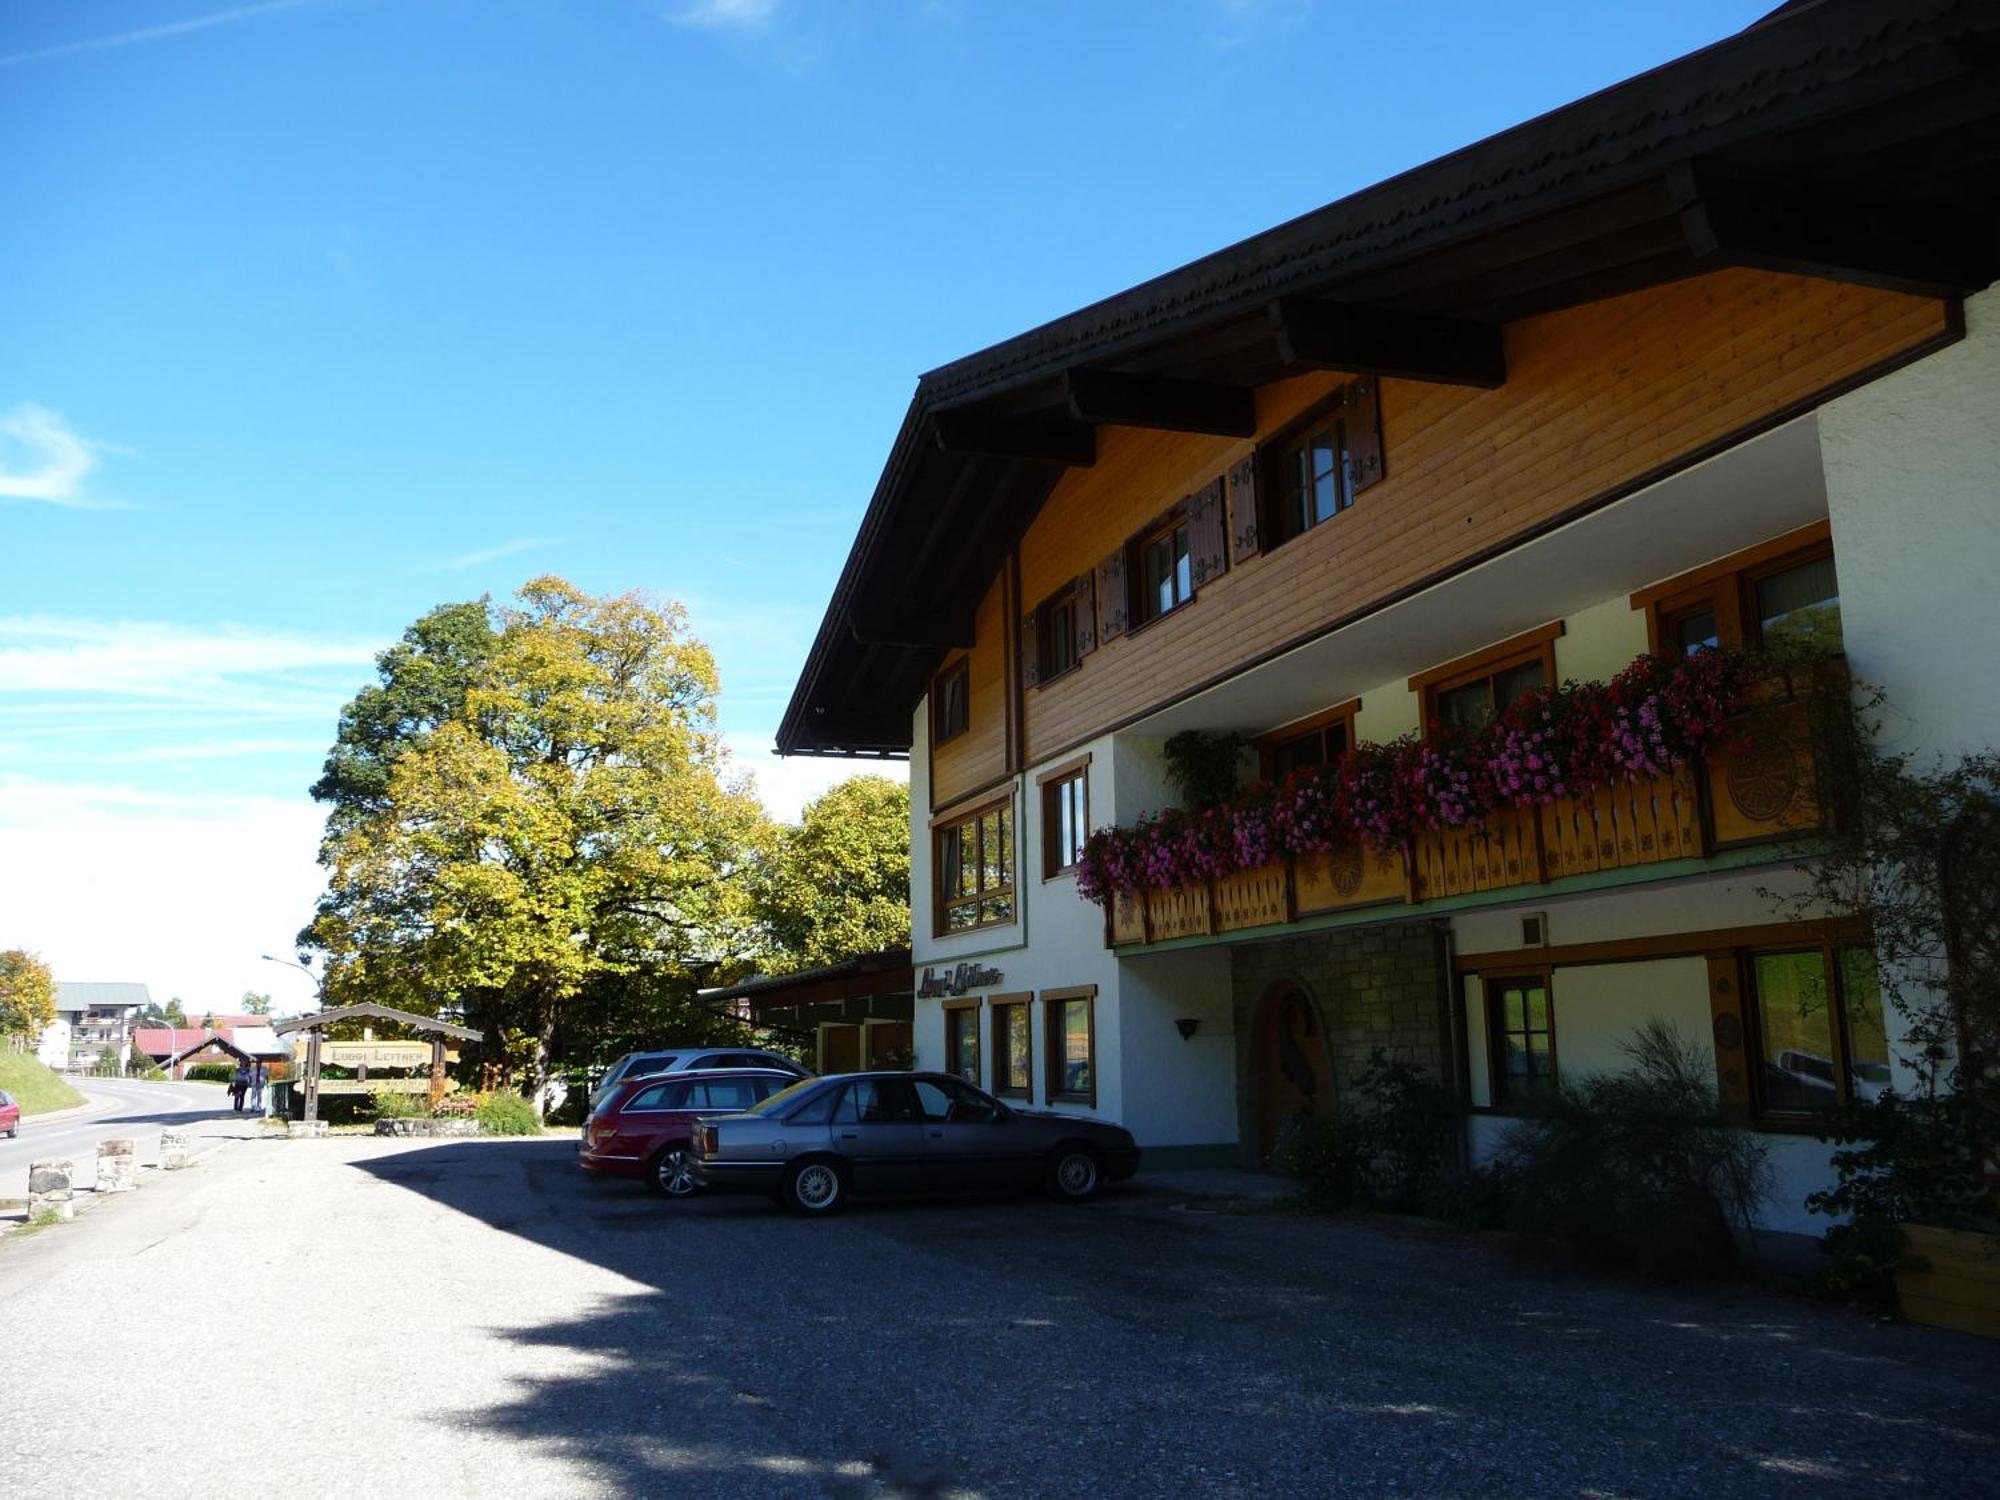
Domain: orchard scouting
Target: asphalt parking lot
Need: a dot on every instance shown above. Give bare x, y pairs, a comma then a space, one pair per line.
478, 1318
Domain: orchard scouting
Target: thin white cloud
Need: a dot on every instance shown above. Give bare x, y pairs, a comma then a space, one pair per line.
145, 755
43, 458
154, 33
147, 660
182, 893
492, 554
726, 15
785, 784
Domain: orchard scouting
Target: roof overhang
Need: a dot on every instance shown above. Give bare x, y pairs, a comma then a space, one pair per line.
1843, 138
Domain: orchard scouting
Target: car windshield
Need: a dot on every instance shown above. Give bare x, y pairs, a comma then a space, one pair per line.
779, 1102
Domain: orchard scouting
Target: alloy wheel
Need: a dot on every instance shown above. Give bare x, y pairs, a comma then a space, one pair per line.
674, 1171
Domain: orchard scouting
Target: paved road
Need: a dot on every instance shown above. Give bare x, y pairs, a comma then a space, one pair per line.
119, 1107
473, 1319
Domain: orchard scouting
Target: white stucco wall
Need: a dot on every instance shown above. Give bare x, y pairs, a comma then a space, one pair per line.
1913, 489
1598, 643
1184, 1091
53, 1045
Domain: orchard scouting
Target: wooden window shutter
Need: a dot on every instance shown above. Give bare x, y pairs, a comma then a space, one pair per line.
1111, 597
1031, 649
1208, 534
1083, 612
1243, 510
1364, 433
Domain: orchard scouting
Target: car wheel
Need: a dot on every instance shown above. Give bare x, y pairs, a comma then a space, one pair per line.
815, 1188
671, 1173
1074, 1174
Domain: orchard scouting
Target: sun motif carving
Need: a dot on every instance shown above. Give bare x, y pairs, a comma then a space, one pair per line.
1763, 778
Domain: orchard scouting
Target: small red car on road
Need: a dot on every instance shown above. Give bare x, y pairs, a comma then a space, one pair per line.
641, 1128
10, 1115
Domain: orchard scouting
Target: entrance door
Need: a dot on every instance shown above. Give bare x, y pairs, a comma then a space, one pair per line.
1294, 1080
840, 1049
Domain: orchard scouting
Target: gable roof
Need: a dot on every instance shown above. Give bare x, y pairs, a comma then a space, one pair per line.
74, 994
1849, 111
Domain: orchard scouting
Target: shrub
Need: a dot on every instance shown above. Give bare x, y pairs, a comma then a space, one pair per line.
508, 1114
1389, 1148
211, 1073
390, 1104
1636, 1168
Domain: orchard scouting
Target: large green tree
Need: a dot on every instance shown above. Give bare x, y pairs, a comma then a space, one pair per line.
27, 994
837, 883
255, 1004
571, 823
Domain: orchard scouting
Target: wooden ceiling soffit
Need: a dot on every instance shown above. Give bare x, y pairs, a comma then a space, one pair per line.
1927, 249
1041, 439
1161, 402
1319, 335
856, 731
931, 632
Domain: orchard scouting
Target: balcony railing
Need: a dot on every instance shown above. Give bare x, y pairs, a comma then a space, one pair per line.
1761, 788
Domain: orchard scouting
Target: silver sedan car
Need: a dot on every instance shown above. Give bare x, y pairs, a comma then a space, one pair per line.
824, 1139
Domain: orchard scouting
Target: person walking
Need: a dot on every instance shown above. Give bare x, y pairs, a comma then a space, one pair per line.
257, 1088
239, 1084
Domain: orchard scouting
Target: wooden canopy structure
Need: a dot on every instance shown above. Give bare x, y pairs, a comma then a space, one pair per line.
316, 1024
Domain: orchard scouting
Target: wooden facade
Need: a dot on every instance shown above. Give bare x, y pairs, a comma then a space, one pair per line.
1597, 400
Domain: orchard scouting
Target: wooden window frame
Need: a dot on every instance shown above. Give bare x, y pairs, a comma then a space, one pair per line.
961, 670
941, 905
1268, 744
1048, 788
1537, 645
1052, 1002
1064, 598
1727, 586
998, 1006
1272, 480
1839, 1031
1496, 1051
951, 1048
1175, 519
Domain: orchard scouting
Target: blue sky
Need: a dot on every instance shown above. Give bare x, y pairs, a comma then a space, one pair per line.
319, 312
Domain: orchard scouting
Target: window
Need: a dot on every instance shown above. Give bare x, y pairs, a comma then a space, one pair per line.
975, 870
1471, 706
1800, 602
1821, 1036
1785, 589
954, 1103
1466, 695
1319, 741
951, 707
727, 1093
961, 1040
1524, 1038
818, 1110
1065, 819
1314, 477
1013, 1049
1164, 575
658, 1096
877, 1101
1064, 629
1072, 1042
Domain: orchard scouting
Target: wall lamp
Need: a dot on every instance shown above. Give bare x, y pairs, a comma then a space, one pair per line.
1187, 1026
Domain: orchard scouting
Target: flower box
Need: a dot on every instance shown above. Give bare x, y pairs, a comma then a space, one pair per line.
1253, 898
1179, 911
1950, 1278
1760, 778
1354, 875
1128, 918
1615, 827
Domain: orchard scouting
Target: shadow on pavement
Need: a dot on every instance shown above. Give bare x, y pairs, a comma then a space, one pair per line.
1013, 1347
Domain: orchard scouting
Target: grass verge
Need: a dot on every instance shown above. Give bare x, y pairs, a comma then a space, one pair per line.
34, 1087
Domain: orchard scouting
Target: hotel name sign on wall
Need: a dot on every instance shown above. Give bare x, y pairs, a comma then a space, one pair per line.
955, 981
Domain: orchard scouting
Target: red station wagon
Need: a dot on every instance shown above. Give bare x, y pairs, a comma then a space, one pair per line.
10, 1115
641, 1129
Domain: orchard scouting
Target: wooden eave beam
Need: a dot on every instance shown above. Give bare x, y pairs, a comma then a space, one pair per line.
1161, 402
930, 632
1318, 335
1041, 439
856, 731
1925, 249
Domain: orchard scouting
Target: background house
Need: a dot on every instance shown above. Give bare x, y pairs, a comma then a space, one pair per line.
98, 1021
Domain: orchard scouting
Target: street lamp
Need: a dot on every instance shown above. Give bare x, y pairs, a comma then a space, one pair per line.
311, 1079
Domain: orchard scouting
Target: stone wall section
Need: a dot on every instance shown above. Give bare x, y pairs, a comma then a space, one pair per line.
1385, 987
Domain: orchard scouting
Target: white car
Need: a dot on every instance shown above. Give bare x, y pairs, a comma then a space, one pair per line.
680, 1059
